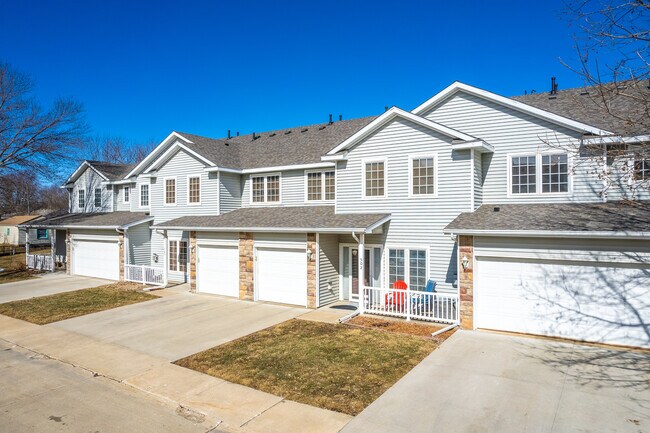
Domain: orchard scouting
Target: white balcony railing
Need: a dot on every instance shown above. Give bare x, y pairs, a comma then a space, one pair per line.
411, 304
43, 262
145, 275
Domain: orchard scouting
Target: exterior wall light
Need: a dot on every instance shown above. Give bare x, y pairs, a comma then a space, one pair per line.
465, 263
310, 254
155, 258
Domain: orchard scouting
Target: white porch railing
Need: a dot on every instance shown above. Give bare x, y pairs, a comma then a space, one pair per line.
43, 262
411, 304
145, 274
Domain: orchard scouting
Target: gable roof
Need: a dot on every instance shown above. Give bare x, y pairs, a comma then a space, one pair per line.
18, 219
457, 87
102, 220
627, 112
391, 115
107, 170
622, 218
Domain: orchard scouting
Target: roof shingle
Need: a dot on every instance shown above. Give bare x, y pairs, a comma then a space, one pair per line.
106, 220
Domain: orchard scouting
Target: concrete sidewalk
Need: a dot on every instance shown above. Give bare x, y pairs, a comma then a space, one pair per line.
47, 284
228, 405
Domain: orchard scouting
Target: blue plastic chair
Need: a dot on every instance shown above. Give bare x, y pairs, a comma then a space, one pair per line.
419, 300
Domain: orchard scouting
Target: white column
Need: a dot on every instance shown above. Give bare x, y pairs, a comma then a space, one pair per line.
53, 248
26, 241
361, 273
165, 259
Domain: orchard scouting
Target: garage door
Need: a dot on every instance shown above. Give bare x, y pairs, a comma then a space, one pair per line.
281, 275
93, 258
218, 270
575, 300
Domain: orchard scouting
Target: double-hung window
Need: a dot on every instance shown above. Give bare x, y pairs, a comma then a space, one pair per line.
409, 265
127, 195
374, 178
177, 256
321, 185
265, 189
642, 170
98, 197
144, 195
194, 190
170, 191
539, 174
81, 198
423, 175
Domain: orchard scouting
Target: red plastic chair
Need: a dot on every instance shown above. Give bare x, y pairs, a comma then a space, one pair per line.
397, 299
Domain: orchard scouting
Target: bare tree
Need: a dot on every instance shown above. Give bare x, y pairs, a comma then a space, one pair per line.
32, 138
116, 149
612, 41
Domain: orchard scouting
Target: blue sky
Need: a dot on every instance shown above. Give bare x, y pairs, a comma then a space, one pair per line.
143, 69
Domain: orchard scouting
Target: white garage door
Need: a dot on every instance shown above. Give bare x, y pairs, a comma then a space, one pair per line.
218, 270
281, 275
94, 258
564, 299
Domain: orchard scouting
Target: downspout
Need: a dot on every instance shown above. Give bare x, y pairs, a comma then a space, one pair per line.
445, 329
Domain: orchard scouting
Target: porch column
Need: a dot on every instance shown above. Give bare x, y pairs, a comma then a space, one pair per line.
53, 248
122, 247
360, 272
312, 278
466, 281
26, 241
165, 259
68, 252
193, 253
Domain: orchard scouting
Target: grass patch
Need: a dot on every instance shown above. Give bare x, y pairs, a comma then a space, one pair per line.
52, 308
336, 367
397, 325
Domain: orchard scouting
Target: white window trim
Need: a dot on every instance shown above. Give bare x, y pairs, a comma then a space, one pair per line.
178, 239
363, 178
433, 155
165, 179
101, 201
194, 176
322, 185
79, 197
124, 200
407, 262
265, 202
538, 174
148, 195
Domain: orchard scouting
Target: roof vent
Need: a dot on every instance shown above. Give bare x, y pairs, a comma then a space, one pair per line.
229, 134
255, 137
237, 133
497, 208
321, 128
330, 120
553, 86
305, 130
340, 117
287, 133
272, 135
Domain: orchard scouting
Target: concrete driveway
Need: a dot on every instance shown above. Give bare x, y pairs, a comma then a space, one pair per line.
482, 382
48, 284
179, 324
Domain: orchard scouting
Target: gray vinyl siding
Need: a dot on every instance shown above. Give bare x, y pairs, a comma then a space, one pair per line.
478, 180
513, 132
230, 192
292, 189
88, 181
139, 245
158, 247
415, 221
119, 204
328, 269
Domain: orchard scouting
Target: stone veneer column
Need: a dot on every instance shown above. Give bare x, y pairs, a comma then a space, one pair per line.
466, 281
311, 271
120, 241
193, 253
68, 252
246, 267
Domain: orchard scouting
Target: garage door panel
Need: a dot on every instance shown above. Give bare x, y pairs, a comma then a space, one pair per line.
218, 270
281, 275
565, 299
93, 258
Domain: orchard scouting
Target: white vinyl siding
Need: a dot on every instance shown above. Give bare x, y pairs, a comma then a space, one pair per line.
415, 222
88, 182
139, 245
328, 269
230, 192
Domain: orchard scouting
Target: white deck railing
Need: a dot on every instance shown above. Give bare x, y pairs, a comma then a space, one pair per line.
410, 304
145, 275
43, 262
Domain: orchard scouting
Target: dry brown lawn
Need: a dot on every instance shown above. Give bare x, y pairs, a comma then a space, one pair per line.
422, 329
61, 306
332, 366
14, 265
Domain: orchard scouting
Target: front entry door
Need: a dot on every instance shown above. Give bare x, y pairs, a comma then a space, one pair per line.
355, 271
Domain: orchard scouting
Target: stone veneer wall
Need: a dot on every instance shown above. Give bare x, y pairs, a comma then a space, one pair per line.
466, 249
68, 251
312, 281
246, 267
120, 242
192, 252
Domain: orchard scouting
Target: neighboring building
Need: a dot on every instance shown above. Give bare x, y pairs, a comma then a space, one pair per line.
10, 234
464, 190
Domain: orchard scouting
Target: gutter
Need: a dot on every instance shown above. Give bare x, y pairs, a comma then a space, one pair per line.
262, 229
549, 234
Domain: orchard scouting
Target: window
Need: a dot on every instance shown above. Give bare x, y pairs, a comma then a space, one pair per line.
423, 175
170, 191
194, 190
265, 189
321, 185
642, 170
98, 197
374, 174
127, 194
42, 234
178, 256
555, 173
413, 271
8, 231
144, 195
523, 175
82, 198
